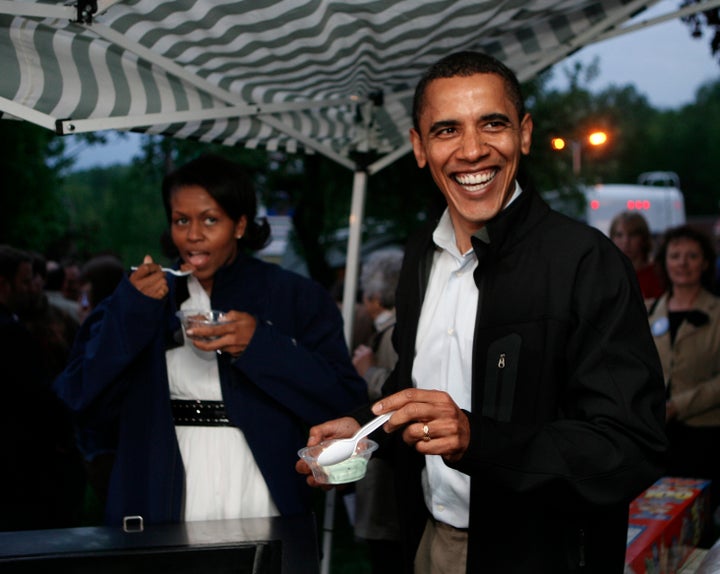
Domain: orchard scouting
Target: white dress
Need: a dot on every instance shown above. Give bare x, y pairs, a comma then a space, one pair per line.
222, 479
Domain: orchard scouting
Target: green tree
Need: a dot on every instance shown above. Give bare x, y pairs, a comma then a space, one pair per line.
32, 211
704, 21
687, 142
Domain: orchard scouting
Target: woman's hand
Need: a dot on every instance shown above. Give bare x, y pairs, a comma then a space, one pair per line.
431, 421
150, 279
363, 358
232, 336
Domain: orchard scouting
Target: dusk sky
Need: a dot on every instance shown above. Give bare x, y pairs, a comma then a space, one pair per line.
663, 61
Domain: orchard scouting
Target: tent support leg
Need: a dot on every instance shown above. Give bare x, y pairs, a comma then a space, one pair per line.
357, 209
328, 520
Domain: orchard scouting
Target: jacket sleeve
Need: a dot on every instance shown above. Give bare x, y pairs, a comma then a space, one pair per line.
109, 340
299, 356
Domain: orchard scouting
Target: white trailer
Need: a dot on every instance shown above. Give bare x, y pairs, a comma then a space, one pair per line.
662, 205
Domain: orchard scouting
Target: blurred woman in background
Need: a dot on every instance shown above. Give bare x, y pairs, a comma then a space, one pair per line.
630, 232
685, 324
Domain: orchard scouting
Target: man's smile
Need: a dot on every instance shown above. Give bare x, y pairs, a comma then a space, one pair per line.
475, 181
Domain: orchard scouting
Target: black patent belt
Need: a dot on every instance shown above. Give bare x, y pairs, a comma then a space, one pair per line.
199, 413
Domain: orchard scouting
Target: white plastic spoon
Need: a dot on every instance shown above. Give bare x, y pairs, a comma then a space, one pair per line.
343, 449
168, 270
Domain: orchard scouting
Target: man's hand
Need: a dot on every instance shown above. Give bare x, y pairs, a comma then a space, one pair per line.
431, 421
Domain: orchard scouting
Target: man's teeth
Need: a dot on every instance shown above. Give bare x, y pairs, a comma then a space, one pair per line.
474, 178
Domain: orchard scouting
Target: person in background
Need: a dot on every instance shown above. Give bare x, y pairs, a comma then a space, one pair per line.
60, 283
39, 274
376, 518
378, 281
209, 421
527, 400
53, 326
362, 321
70, 288
630, 232
716, 245
685, 324
42, 480
99, 277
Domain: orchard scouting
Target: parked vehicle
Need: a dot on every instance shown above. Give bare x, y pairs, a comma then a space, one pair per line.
658, 198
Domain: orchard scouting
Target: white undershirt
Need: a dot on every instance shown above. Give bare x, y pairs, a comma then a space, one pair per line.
222, 479
443, 359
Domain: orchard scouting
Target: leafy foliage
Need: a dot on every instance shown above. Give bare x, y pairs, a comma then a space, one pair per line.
46, 207
700, 22
33, 213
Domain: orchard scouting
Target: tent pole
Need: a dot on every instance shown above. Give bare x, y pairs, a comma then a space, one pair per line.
328, 519
352, 259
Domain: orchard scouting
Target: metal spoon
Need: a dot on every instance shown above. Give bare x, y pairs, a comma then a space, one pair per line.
343, 449
168, 270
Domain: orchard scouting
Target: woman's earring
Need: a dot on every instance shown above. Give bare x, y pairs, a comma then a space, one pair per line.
239, 236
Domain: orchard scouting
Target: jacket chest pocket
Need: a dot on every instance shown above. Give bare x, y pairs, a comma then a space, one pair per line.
501, 377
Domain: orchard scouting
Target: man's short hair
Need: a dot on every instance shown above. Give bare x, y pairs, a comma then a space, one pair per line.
467, 63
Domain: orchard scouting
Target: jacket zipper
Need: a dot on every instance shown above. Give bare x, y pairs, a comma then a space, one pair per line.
498, 395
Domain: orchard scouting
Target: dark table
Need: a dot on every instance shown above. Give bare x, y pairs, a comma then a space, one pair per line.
282, 545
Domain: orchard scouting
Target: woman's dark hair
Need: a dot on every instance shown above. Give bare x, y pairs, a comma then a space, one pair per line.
227, 183
688, 232
465, 64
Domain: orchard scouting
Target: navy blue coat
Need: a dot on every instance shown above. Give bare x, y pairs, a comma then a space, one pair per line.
295, 372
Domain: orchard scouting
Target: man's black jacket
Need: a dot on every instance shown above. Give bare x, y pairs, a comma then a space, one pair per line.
570, 426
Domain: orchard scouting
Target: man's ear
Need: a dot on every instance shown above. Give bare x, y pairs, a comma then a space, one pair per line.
418, 148
526, 128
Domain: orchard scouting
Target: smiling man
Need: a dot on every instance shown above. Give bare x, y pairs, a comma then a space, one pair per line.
471, 134
528, 394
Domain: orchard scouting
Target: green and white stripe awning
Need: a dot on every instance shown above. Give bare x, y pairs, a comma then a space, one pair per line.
333, 77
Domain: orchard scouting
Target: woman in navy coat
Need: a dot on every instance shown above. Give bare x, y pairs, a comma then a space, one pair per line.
208, 423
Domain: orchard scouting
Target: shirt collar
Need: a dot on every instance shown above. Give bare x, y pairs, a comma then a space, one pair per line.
444, 234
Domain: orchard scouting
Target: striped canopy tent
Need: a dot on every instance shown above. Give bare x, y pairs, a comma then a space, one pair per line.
318, 76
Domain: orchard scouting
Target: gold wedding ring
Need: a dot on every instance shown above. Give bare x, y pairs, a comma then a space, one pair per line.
426, 433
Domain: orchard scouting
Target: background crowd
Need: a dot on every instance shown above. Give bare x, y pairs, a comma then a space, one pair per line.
50, 480
58, 477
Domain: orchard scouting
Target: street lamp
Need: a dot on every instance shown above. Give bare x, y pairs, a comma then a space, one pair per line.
595, 138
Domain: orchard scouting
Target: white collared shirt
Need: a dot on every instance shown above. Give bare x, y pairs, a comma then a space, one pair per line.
443, 359
383, 318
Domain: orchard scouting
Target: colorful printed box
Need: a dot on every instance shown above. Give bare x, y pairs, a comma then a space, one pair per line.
665, 525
